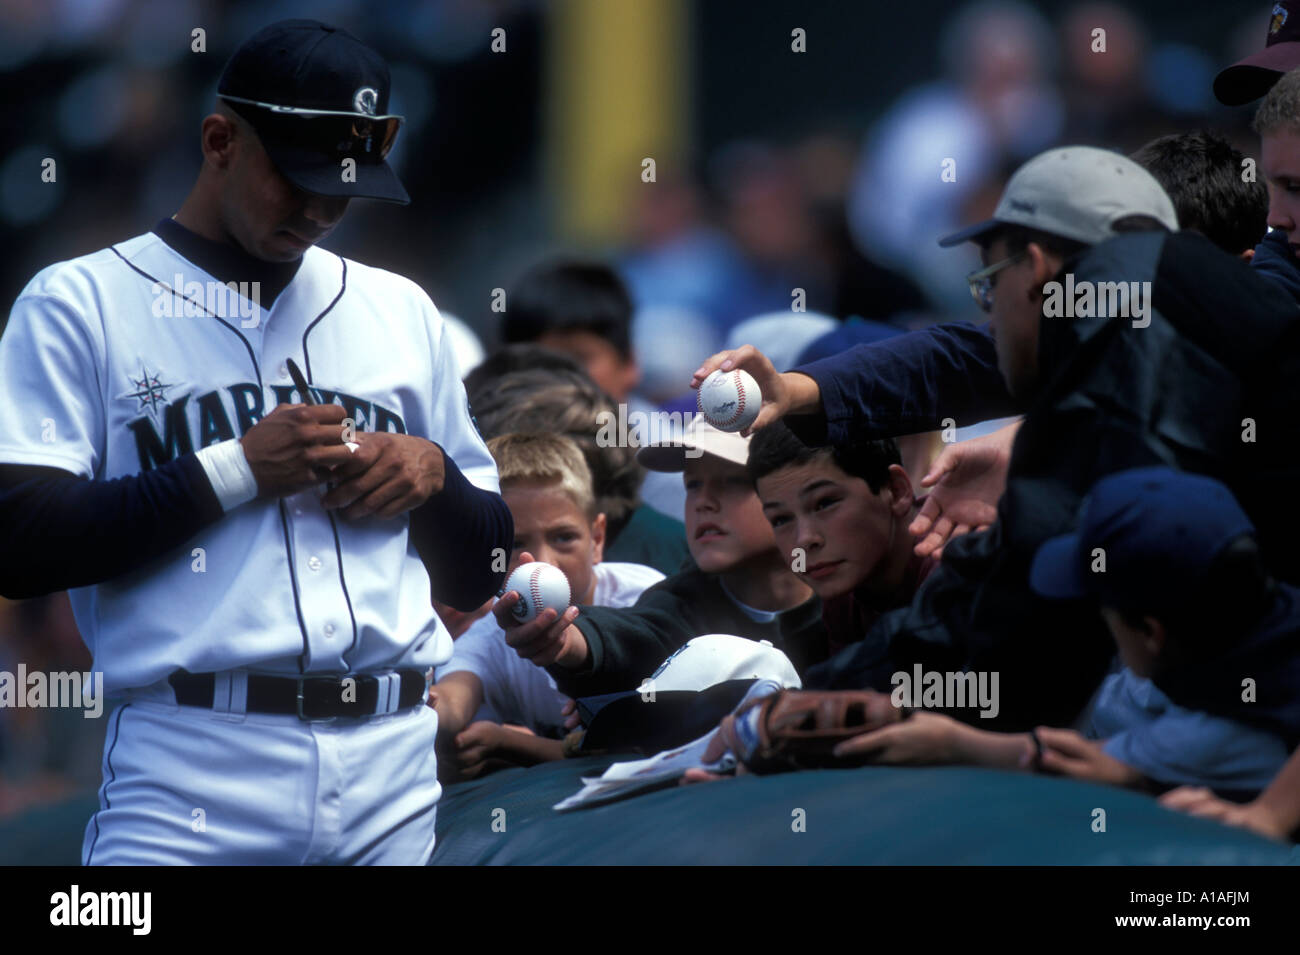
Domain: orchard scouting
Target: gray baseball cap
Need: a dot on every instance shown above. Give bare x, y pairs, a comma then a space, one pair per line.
1076, 192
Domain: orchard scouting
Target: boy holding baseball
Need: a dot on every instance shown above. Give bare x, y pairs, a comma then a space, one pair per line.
495, 708
740, 583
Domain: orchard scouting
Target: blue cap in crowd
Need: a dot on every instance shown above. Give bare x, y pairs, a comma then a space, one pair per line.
1160, 530
849, 333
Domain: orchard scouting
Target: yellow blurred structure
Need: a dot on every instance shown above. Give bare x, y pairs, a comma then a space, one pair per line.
618, 88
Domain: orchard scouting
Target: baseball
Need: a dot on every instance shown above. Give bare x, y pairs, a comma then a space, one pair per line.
729, 400
540, 586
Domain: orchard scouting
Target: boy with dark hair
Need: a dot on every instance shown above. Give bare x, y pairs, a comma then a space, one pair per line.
1205, 177
841, 513
582, 309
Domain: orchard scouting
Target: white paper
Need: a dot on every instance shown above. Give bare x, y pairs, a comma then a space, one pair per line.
624, 778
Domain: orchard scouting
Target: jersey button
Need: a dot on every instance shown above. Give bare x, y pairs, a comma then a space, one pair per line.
297, 512
313, 563
329, 629
284, 371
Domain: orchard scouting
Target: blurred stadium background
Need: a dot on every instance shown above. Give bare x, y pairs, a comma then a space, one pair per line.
773, 169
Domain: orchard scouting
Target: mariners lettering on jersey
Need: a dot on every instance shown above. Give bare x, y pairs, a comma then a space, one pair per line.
168, 428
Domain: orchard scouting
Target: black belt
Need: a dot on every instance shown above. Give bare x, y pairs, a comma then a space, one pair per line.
308, 698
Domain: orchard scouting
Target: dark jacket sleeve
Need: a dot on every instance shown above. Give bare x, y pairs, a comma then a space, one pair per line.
59, 531
906, 385
1112, 397
457, 533
626, 644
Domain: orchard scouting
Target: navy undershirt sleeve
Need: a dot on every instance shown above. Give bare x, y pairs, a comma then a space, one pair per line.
59, 531
907, 385
456, 532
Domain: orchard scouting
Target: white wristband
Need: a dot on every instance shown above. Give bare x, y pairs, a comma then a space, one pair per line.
229, 473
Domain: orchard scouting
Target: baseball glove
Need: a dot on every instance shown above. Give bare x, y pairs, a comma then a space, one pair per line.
797, 729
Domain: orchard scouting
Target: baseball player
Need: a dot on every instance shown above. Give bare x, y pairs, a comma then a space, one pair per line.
250, 558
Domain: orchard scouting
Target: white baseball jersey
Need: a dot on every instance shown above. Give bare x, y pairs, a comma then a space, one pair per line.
106, 371
516, 690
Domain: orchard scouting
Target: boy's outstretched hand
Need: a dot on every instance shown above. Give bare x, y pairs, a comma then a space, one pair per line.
1070, 753
548, 638
921, 739
968, 479
1199, 801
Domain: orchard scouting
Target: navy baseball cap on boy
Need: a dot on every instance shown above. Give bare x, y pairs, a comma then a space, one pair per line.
1160, 530
317, 95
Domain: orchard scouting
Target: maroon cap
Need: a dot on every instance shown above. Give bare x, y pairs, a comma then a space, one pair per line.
1251, 78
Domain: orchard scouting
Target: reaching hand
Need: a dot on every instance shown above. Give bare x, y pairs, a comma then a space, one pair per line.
1070, 754
968, 480
1199, 801
782, 393
921, 739
548, 638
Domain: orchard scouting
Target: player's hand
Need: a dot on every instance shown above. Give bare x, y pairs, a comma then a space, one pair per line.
968, 479
1069, 753
295, 447
548, 638
389, 474
456, 621
1199, 801
782, 394
921, 739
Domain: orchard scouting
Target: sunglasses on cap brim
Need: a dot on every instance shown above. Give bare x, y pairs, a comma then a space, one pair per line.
338, 131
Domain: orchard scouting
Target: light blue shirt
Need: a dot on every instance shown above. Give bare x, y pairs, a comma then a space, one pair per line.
1144, 729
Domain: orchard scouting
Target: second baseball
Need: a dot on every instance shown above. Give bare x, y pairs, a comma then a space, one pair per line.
729, 400
540, 586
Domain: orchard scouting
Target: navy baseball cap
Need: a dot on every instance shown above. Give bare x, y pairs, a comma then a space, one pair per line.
1160, 530
1253, 77
317, 95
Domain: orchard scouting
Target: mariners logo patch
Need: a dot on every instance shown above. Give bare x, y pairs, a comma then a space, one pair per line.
366, 100
1278, 19
149, 389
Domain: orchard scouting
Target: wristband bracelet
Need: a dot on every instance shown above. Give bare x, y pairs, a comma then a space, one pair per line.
1038, 750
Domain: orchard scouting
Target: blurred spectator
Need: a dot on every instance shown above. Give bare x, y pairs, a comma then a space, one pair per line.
580, 308
996, 105
1106, 102
46, 753
678, 260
